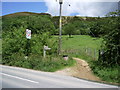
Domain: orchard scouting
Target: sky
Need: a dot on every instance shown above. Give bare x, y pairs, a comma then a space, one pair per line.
93, 8
12, 7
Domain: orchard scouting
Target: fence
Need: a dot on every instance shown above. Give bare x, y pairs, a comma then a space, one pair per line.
94, 53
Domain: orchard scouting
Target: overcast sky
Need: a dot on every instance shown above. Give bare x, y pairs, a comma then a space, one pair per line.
92, 8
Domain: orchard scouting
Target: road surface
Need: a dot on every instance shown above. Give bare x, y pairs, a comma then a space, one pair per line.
14, 77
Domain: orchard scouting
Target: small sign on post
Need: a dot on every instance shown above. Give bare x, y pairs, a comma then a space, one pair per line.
44, 50
28, 34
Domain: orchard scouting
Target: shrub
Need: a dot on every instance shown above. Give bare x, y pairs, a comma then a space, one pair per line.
49, 64
111, 44
16, 42
109, 74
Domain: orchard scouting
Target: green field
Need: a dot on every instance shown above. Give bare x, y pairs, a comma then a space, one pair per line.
81, 46
81, 41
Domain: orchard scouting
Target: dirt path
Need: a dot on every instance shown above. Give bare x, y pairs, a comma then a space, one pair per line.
80, 70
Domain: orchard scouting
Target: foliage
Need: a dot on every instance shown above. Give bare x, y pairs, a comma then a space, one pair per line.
14, 42
36, 62
76, 28
37, 23
95, 29
42, 26
111, 44
74, 47
14, 32
109, 74
69, 29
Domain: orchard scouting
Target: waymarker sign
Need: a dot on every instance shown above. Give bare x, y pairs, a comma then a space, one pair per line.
28, 34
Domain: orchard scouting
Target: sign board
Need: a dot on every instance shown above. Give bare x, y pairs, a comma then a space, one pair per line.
46, 48
28, 34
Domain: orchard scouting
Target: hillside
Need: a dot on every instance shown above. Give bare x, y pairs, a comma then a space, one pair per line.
25, 14
82, 25
55, 19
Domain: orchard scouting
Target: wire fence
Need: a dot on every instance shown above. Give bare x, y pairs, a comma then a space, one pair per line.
94, 53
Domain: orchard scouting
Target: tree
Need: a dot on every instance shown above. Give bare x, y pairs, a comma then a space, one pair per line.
111, 47
69, 29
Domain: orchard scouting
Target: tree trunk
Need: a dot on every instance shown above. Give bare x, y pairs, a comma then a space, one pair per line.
69, 35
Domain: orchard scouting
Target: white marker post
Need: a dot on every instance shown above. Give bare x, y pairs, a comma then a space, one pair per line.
45, 48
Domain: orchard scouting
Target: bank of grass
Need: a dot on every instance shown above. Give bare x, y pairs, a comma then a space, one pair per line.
106, 73
36, 62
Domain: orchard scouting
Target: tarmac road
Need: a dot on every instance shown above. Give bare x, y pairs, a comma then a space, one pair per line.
14, 77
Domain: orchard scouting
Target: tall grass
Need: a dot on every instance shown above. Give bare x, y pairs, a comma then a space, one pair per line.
109, 74
36, 62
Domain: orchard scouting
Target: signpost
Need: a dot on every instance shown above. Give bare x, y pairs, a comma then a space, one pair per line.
44, 50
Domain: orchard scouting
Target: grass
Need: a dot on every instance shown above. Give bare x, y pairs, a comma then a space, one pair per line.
76, 48
37, 62
81, 46
109, 74
81, 41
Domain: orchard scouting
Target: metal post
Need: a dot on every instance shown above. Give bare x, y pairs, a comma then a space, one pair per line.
44, 53
28, 47
60, 30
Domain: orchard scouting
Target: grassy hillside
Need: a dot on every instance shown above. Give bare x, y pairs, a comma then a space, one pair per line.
55, 19
25, 14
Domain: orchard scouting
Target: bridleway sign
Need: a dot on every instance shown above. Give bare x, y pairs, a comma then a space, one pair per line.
28, 34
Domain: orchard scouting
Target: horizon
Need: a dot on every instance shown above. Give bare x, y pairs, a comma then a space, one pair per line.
47, 13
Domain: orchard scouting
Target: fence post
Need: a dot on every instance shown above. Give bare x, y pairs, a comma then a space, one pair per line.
86, 50
94, 54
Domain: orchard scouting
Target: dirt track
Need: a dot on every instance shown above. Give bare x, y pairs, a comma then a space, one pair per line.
80, 70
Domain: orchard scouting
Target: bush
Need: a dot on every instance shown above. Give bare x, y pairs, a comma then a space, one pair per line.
109, 74
16, 42
49, 64
14, 32
111, 44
